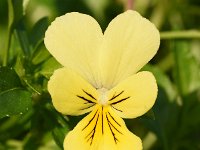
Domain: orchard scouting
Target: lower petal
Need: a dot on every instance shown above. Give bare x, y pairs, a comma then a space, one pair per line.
102, 129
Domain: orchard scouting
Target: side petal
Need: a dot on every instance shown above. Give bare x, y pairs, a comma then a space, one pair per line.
130, 41
134, 96
73, 39
102, 129
71, 94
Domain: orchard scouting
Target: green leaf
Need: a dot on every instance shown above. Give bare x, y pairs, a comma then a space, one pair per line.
162, 80
40, 55
185, 34
23, 39
49, 66
13, 98
59, 134
14, 101
38, 31
9, 32
10, 14
17, 10
187, 70
150, 115
8, 79
3, 11
15, 22
15, 13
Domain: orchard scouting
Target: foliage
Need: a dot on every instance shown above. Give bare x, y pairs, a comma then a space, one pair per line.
27, 117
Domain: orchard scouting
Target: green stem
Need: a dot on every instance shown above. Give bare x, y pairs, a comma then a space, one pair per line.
189, 34
7, 47
10, 23
31, 87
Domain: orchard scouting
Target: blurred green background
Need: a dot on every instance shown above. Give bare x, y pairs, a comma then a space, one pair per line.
27, 118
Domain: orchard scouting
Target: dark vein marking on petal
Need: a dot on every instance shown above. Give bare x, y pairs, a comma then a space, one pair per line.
85, 99
92, 132
115, 96
88, 106
95, 128
90, 95
121, 100
115, 128
102, 120
116, 109
113, 119
113, 134
90, 120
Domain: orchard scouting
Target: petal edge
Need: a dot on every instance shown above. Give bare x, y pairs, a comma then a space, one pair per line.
138, 96
130, 41
71, 94
73, 39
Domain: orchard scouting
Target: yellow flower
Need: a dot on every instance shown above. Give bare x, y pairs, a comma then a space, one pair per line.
100, 76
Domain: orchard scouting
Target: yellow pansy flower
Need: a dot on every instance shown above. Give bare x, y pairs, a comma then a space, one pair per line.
100, 76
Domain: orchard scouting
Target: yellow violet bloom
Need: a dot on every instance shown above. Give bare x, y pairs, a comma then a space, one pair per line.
100, 76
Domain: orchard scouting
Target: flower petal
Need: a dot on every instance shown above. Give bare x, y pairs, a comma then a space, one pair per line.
102, 129
73, 39
134, 96
71, 94
130, 41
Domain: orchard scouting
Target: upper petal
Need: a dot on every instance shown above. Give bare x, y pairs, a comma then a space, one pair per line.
71, 94
130, 41
102, 129
134, 96
73, 39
